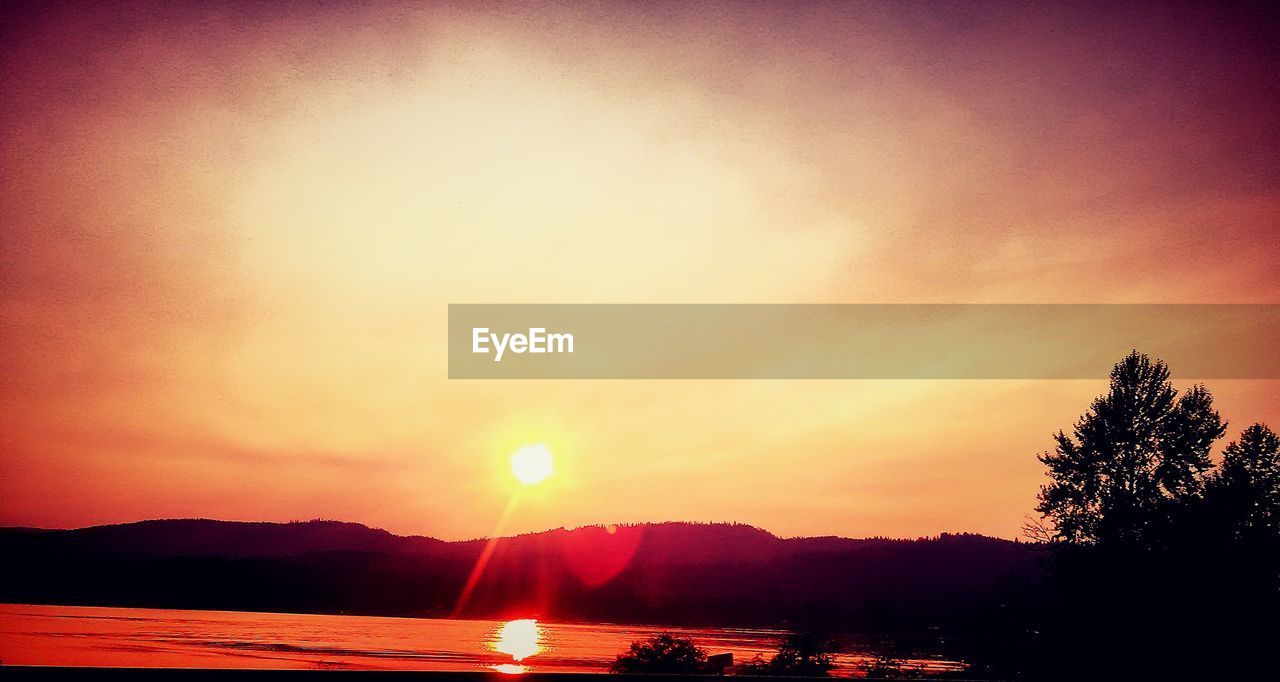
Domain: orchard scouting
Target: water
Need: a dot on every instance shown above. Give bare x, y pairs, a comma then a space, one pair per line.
76, 635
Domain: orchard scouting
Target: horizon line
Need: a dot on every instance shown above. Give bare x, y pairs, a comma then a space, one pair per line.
632, 524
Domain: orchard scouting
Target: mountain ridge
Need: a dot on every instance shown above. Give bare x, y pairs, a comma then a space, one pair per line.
675, 573
355, 525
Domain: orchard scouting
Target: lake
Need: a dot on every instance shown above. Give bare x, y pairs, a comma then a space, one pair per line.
76, 635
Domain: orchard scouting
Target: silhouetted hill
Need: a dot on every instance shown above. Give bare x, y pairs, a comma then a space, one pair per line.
727, 574
225, 539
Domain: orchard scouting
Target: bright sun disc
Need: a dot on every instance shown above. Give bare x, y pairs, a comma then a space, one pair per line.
531, 464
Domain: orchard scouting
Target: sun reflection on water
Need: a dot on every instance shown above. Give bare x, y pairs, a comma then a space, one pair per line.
519, 639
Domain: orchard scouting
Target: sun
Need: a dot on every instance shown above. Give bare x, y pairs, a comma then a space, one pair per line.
531, 464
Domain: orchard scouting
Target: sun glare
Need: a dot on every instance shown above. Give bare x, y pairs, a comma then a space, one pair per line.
531, 464
518, 639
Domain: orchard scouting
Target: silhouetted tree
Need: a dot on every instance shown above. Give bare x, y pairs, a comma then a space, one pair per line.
1134, 458
1239, 523
1164, 565
664, 653
1244, 493
806, 654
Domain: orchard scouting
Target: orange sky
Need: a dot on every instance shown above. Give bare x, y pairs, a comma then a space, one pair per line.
228, 240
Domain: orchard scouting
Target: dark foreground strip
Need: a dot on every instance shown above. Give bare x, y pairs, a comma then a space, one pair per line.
52, 673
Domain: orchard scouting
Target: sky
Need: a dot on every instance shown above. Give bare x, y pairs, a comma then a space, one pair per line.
229, 234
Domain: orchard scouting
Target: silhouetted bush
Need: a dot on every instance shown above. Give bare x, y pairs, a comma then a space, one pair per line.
889, 668
800, 655
664, 653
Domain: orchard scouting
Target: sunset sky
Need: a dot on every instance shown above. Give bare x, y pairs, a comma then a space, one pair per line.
228, 237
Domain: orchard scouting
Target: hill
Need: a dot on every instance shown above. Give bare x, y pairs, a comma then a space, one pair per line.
675, 573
